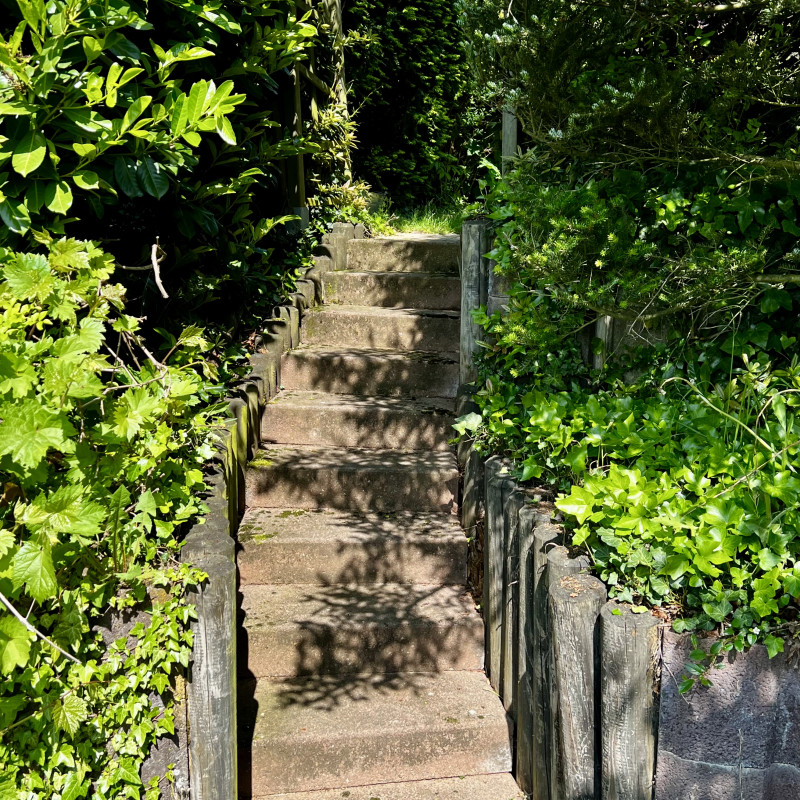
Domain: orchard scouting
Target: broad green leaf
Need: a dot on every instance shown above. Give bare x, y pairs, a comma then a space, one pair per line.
225, 130
68, 714
86, 179
92, 48
767, 560
76, 786
180, 115
15, 644
125, 175
15, 215
134, 111
9, 707
196, 101
33, 569
575, 459
84, 149
33, 12
193, 138
153, 178
34, 197
58, 197
29, 153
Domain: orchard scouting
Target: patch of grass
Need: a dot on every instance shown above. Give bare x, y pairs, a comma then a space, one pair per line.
429, 219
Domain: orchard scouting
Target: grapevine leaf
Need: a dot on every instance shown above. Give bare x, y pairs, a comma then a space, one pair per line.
29, 430
29, 277
15, 644
33, 567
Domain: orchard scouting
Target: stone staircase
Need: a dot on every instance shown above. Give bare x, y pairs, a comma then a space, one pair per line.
361, 653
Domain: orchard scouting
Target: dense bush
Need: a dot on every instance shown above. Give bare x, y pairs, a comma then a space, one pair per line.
661, 191
421, 131
153, 129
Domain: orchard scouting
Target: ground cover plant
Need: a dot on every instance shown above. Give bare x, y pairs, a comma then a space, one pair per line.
660, 194
141, 153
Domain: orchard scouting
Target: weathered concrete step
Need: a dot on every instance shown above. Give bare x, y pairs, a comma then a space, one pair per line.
325, 733
410, 252
334, 547
306, 630
466, 787
382, 328
393, 290
295, 476
336, 420
370, 372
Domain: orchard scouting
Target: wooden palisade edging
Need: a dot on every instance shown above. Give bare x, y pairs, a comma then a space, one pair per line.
578, 675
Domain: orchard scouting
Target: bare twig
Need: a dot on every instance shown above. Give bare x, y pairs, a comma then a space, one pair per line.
157, 255
5, 601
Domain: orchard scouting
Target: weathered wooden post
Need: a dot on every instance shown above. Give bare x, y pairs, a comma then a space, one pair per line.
497, 487
509, 150
630, 646
528, 519
545, 538
474, 245
574, 604
212, 682
510, 632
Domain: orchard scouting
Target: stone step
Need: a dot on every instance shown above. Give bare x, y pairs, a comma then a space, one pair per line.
299, 476
334, 547
382, 328
393, 290
309, 734
370, 372
410, 252
467, 787
336, 420
296, 631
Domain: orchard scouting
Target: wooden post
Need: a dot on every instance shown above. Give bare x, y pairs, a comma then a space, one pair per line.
528, 519
497, 488
509, 138
472, 519
510, 636
212, 684
474, 244
629, 711
574, 605
545, 537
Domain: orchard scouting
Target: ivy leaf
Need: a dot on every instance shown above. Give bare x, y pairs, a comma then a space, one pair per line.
576, 458
33, 567
9, 708
69, 713
469, 422
75, 786
153, 178
15, 644
774, 645
126, 771
58, 197
579, 503
29, 153
767, 560
29, 430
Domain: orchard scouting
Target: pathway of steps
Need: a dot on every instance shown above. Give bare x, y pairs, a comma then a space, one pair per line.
361, 652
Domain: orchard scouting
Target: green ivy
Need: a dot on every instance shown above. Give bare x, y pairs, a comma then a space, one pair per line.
102, 447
